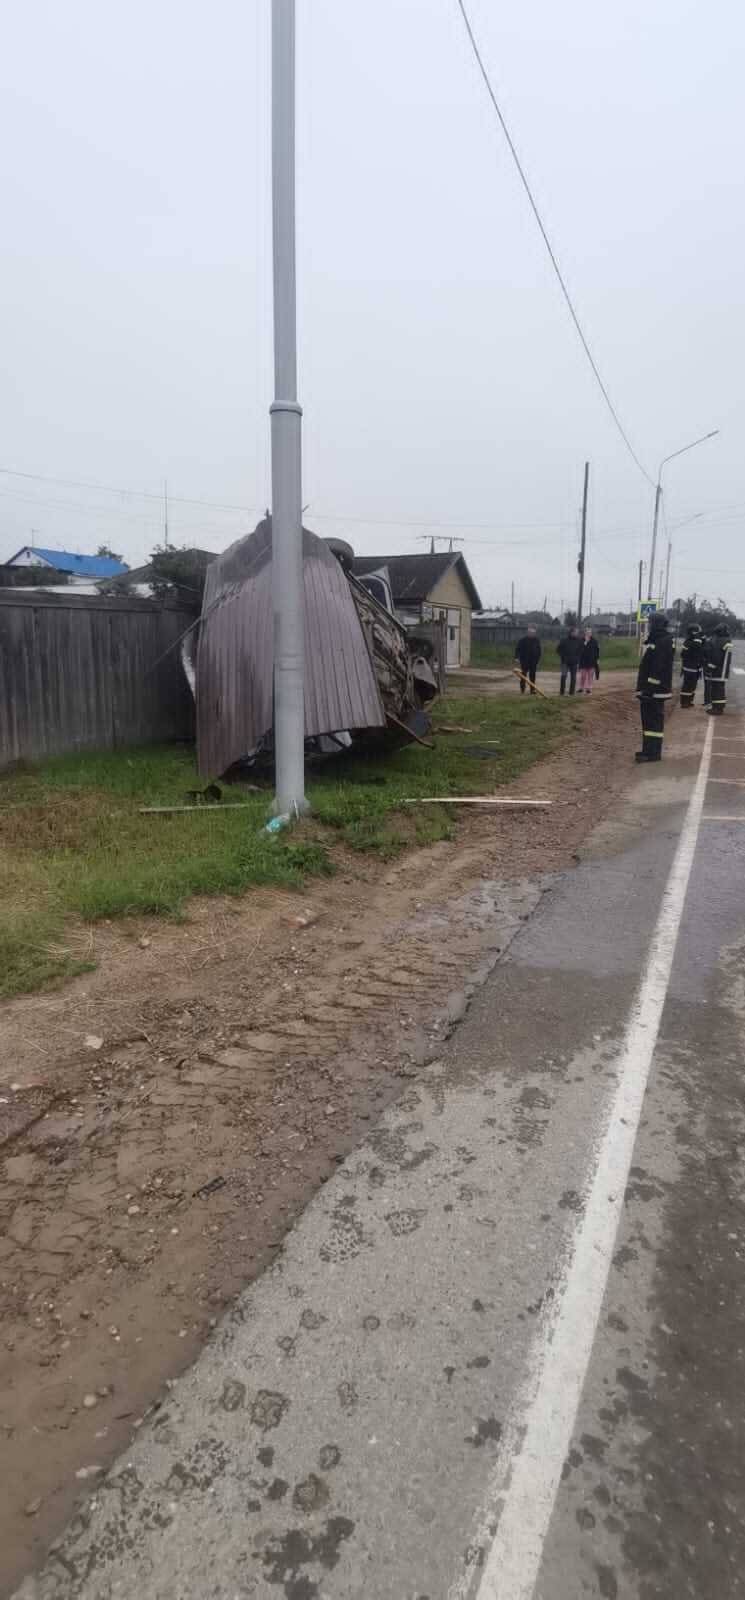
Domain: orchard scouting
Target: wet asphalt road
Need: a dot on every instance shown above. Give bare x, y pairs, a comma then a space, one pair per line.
338, 1437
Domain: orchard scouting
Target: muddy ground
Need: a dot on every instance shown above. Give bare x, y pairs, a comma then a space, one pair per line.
166, 1118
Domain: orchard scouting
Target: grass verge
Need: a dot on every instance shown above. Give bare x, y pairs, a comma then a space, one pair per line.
74, 847
614, 654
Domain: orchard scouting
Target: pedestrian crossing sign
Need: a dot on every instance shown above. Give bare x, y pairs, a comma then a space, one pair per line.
646, 610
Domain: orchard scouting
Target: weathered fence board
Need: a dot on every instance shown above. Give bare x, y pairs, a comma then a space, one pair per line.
78, 672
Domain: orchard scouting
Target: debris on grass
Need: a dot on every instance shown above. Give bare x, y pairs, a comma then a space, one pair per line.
472, 800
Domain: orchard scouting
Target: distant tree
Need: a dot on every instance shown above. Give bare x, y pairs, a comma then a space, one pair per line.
106, 550
34, 577
570, 619
178, 569
706, 613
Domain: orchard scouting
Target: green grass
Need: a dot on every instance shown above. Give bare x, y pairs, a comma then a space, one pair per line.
614, 654
494, 655
74, 848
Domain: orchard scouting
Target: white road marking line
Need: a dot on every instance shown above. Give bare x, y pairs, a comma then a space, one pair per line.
727, 780
740, 671
710, 817
729, 755
520, 1496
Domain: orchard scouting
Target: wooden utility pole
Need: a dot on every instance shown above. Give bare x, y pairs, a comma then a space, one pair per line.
581, 562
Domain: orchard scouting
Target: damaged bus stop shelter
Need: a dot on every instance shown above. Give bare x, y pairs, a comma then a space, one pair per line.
365, 679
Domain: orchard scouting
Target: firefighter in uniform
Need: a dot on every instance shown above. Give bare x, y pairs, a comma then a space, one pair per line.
692, 659
654, 685
717, 668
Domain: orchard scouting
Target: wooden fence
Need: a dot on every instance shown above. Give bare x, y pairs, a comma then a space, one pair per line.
78, 672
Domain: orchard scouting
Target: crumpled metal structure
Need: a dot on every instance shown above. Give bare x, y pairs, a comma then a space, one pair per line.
359, 671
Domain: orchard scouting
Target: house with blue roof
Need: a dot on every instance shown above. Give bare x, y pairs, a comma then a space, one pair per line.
80, 569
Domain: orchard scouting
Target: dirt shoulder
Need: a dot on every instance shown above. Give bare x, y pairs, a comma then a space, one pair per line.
178, 1108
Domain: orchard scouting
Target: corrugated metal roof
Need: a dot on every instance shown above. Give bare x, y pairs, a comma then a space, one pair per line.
413, 577
68, 561
235, 663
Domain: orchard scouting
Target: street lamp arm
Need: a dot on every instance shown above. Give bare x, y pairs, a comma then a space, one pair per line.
682, 452
658, 496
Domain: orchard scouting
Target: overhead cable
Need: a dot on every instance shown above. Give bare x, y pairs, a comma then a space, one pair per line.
549, 247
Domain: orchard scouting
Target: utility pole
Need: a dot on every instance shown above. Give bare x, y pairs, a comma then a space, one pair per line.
512, 602
657, 499
667, 573
591, 594
440, 538
581, 562
165, 513
286, 414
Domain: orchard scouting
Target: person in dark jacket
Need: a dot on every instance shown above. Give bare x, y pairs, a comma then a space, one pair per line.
589, 662
692, 658
568, 652
654, 685
717, 668
527, 656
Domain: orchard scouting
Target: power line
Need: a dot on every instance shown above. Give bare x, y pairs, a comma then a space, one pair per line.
138, 494
48, 502
547, 242
425, 522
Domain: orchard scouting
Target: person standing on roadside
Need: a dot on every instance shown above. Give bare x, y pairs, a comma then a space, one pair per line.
654, 685
589, 662
527, 656
692, 659
568, 650
717, 669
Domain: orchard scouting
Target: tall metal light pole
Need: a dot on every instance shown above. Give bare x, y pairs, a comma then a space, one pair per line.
287, 520
658, 498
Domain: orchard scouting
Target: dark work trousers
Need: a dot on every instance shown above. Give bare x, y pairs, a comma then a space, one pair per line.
688, 685
531, 672
570, 672
707, 688
717, 696
653, 728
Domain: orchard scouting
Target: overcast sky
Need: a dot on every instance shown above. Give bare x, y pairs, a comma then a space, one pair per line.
443, 385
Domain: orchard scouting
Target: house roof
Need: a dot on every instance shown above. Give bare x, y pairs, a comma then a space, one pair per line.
414, 577
68, 561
